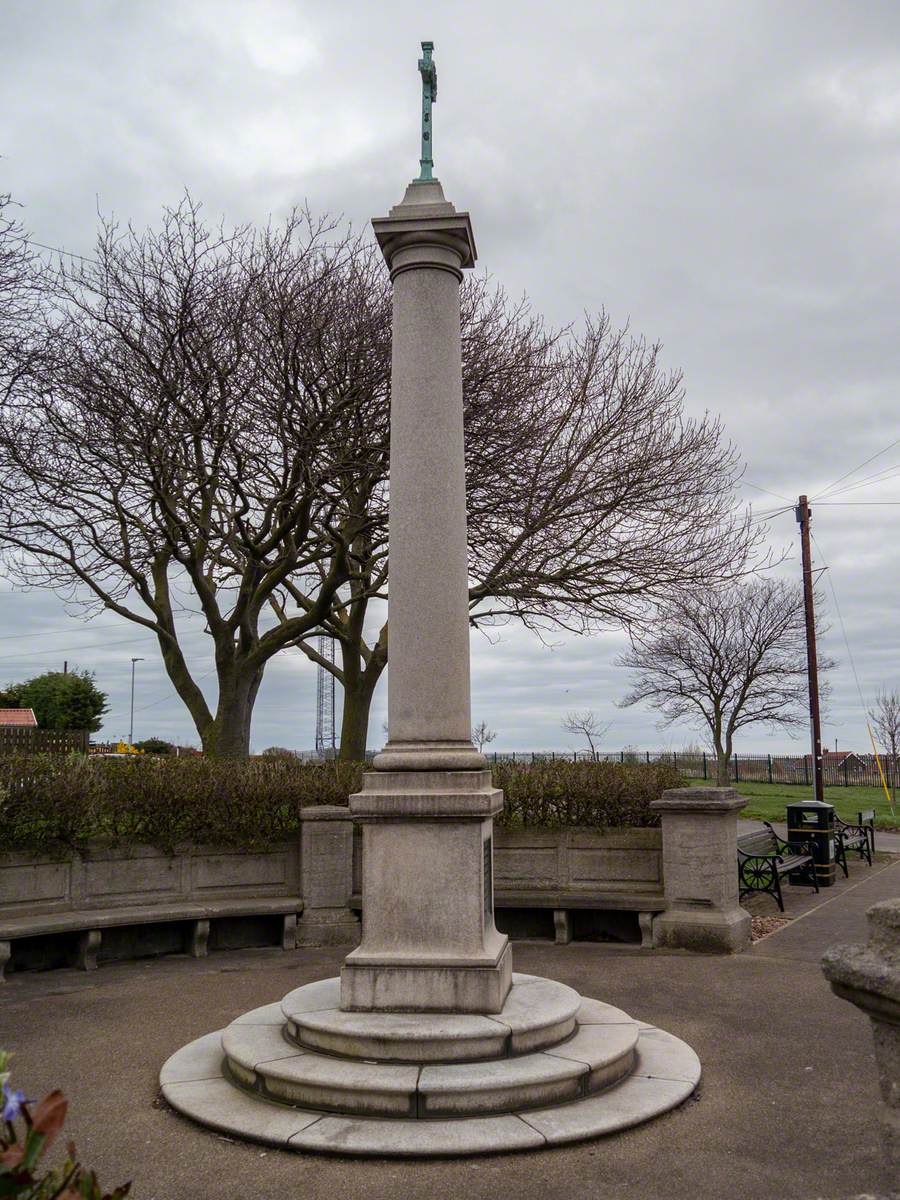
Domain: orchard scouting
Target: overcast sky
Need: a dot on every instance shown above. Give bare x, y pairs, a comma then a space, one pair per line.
725, 176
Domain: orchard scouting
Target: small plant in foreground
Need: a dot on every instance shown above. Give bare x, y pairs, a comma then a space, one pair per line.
21, 1150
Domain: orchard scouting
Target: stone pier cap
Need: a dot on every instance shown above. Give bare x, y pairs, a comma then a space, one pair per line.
698, 800
869, 975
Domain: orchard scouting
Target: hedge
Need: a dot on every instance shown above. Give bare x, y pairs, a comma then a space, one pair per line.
52, 802
553, 795
49, 801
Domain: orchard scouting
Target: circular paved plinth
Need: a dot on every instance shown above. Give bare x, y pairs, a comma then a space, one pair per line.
255, 1080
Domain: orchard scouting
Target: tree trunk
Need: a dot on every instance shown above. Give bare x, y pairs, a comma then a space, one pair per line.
355, 720
228, 734
721, 769
722, 757
359, 687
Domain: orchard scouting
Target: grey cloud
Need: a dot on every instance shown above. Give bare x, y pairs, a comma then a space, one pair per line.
725, 177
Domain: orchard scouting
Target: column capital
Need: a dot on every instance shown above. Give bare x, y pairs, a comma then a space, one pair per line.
425, 230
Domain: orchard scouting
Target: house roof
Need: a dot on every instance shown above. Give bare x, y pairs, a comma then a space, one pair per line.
17, 716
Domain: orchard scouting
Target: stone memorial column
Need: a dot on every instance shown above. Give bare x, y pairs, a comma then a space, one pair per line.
426, 1045
429, 942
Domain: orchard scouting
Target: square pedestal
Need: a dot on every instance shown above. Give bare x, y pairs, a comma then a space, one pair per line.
429, 942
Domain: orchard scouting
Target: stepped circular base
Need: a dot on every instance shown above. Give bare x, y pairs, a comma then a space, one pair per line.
537, 1013
255, 1080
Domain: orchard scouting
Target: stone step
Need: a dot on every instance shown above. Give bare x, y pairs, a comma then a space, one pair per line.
594, 1058
259, 1057
538, 1013
666, 1073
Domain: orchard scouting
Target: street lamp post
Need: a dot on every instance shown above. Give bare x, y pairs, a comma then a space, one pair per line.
131, 724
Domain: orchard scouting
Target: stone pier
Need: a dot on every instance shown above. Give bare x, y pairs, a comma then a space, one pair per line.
869, 977
703, 912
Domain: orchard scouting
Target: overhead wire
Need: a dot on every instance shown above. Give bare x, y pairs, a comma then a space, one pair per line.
882, 476
66, 650
769, 513
29, 241
8, 637
862, 703
847, 474
765, 491
108, 717
837, 609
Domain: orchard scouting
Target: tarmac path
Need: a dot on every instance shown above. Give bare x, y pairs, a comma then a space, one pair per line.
787, 1107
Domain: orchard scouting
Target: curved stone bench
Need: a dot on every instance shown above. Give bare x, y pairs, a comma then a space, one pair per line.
90, 923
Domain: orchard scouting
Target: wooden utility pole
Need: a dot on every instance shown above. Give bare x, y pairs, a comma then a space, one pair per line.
812, 663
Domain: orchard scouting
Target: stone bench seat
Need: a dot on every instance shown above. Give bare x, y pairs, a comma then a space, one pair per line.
618, 899
90, 922
645, 903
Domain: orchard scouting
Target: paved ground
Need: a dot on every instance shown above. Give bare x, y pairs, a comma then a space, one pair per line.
787, 1106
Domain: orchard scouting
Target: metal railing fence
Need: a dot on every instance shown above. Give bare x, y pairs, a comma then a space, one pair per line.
849, 770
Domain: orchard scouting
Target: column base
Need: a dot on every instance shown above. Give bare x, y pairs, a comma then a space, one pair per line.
449, 986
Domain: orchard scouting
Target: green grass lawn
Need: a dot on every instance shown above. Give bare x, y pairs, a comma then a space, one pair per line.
766, 801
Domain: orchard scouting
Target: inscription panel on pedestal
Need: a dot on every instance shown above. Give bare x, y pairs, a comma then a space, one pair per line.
488, 877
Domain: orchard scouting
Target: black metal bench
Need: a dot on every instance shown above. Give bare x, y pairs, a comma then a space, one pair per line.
764, 857
859, 837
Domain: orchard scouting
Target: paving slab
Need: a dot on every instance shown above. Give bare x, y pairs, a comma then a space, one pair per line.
222, 1106
200, 1059
312, 997
267, 1014
531, 1080
632, 1101
607, 1051
661, 1056
321, 1081
395, 1139
250, 1045
538, 1012
596, 1012
399, 1036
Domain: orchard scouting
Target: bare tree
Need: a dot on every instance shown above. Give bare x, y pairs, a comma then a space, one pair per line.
482, 735
18, 298
725, 658
590, 494
587, 725
206, 413
885, 716
171, 434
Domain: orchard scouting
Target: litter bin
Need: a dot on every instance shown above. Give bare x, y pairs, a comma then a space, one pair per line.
813, 822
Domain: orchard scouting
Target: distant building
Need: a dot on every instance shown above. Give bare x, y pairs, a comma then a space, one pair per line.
18, 718
840, 766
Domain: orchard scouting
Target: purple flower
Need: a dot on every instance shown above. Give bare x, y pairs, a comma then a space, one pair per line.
12, 1102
